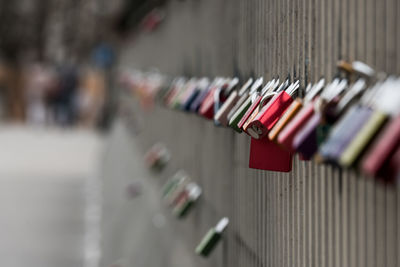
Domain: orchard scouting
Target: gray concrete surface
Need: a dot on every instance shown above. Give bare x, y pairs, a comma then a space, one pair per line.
48, 197
136, 232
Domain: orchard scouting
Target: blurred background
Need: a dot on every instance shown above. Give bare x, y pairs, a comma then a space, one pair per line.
58, 99
56, 61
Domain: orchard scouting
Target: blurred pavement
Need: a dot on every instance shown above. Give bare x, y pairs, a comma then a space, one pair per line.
48, 197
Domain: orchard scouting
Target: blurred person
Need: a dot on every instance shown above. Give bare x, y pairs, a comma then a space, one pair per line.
91, 97
39, 79
61, 98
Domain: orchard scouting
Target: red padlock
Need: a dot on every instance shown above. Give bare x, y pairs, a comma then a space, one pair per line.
264, 153
271, 113
255, 102
267, 155
382, 149
207, 106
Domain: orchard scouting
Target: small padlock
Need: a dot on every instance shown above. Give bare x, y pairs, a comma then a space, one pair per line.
222, 95
212, 238
180, 89
273, 111
343, 132
287, 135
294, 109
241, 111
186, 91
207, 106
351, 96
307, 140
201, 85
157, 157
383, 149
176, 86
239, 103
194, 107
174, 186
252, 112
385, 104
183, 207
362, 139
349, 124
357, 67
221, 116
247, 126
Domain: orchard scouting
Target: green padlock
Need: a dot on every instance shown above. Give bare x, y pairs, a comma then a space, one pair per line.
363, 138
211, 239
239, 113
173, 184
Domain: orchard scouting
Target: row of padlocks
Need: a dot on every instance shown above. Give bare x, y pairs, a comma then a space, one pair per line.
352, 121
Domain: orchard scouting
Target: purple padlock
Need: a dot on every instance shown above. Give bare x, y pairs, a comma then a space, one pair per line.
305, 142
344, 132
194, 107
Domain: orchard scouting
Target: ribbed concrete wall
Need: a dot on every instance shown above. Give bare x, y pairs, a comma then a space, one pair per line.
316, 215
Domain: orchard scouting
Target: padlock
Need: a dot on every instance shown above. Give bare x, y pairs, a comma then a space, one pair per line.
363, 137
267, 96
255, 100
206, 109
267, 155
157, 157
363, 69
259, 101
177, 191
212, 238
239, 103
385, 104
194, 107
263, 101
221, 95
307, 140
294, 108
356, 67
183, 207
221, 116
175, 186
241, 111
174, 100
348, 126
351, 96
186, 91
343, 132
201, 85
169, 185
345, 66
382, 150
176, 86
287, 135
181, 196
272, 112
285, 138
